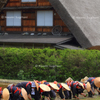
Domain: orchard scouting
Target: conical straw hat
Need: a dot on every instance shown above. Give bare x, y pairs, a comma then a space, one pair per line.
45, 87
81, 84
24, 94
86, 78
69, 79
83, 81
54, 86
65, 86
37, 86
5, 94
88, 87
97, 82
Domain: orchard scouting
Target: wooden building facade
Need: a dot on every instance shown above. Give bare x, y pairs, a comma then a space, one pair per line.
35, 17
30, 16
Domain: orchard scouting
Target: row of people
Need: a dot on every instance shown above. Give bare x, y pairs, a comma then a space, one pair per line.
41, 89
94, 84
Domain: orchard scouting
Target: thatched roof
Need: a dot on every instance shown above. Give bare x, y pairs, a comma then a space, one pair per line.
82, 17
2, 4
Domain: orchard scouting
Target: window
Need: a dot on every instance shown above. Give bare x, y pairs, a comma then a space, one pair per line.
13, 18
28, 0
44, 18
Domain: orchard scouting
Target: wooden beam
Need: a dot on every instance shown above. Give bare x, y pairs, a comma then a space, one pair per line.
33, 7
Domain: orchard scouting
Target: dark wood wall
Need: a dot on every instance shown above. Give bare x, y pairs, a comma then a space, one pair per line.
18, 3
2, 21
29, 22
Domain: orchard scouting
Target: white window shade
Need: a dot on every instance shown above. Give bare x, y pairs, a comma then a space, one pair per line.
13, 18
32, 0
44, 18
28, 0
24, 0
17, 18
40, 18
48, 18
9, 18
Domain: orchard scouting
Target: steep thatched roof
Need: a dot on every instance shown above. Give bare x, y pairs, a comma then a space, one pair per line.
2, 4
82, 18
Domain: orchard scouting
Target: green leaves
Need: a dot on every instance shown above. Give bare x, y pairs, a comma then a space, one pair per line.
20, 75
48, 64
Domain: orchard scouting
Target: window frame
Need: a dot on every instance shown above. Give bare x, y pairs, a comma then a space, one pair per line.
14, 20
44, 19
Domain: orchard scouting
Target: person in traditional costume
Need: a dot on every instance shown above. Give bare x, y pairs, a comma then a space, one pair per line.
4, 94
63, 88
28, 87
76, 88
93, 86
16, 93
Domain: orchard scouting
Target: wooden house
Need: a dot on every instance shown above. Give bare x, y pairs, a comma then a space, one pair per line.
48, 23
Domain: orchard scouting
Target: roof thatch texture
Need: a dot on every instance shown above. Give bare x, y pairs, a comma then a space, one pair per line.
82, 17
2, 4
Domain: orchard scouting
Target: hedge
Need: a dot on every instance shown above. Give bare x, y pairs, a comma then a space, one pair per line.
48, 64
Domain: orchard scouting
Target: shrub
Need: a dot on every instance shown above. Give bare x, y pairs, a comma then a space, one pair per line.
48, 64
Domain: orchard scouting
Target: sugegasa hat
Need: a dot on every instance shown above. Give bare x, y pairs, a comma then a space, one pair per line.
54, 86
24, 94
69, 79
45, 87
65, 86
5, 94
97, 82
88, 87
